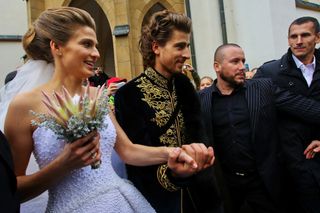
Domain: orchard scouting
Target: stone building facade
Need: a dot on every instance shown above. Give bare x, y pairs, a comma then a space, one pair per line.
120, 55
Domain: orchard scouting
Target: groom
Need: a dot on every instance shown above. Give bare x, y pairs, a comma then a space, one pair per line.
160, 107
8, 183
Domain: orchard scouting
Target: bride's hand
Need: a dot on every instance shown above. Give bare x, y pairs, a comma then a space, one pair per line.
82, 152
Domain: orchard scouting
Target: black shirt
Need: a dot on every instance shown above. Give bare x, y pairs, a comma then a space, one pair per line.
232, 131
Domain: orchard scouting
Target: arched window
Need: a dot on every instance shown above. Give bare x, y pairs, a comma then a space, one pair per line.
155, 8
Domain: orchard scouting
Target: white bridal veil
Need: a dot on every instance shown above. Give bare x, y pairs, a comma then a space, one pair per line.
30, 75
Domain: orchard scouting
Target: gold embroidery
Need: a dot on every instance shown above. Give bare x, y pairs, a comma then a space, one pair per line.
156, 77
173, 135
157, 95
164, 180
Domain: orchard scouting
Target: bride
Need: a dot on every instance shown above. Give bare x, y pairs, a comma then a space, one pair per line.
66, 37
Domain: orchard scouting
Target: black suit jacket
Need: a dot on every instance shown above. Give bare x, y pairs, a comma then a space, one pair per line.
263, 98
136, 116
296, 133
8, 183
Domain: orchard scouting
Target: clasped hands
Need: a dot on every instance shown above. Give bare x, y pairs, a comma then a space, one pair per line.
190, 159
183, 162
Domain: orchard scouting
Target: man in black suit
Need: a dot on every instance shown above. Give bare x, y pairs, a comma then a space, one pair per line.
240, 117
299, 71
8, 183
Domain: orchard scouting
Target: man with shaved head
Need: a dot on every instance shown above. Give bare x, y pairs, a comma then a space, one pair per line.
239, 117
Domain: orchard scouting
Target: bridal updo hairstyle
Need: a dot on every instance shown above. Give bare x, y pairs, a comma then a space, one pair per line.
54, 24
160, 29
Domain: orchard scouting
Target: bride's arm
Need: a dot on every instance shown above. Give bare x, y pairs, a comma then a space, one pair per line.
140, 155
19, 134
136, 154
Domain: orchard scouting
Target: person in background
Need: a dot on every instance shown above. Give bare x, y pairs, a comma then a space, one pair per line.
251, 73
10, 76
160, 107
99, 78
113, 84
299, 71
9, 201
254, 70
192, 74
205, 82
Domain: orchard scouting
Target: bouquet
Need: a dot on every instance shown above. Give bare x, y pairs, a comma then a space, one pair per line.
71, 118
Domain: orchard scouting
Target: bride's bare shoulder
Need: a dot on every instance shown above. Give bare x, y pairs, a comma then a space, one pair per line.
27, 101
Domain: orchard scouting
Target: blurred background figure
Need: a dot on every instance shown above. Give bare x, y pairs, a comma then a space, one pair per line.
113, 84
254, 70
251, 73
8, 183
205, 81
10, 76
99, 78
192, 74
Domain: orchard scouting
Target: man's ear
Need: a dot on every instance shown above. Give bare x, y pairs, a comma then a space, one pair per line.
216, 66
55, 48
155, 47
318, 38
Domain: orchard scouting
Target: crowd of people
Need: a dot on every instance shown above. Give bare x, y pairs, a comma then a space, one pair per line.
169, 143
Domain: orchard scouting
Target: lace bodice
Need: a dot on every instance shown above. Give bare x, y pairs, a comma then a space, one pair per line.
87, 190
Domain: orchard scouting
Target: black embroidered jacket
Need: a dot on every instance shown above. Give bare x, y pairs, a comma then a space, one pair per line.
154, 111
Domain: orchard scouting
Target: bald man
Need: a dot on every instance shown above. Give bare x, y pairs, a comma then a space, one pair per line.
240, 120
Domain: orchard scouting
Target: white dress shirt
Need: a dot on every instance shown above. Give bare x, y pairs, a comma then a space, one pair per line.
307, 70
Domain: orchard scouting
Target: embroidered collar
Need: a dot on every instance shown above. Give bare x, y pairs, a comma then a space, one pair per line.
156, 77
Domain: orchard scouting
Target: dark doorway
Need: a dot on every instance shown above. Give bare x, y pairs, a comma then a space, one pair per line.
104, 34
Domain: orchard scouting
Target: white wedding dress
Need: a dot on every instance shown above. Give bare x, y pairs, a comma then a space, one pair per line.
89, 190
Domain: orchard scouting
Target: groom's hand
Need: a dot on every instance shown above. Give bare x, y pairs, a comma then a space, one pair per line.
203, 156
312, 149
190, 159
